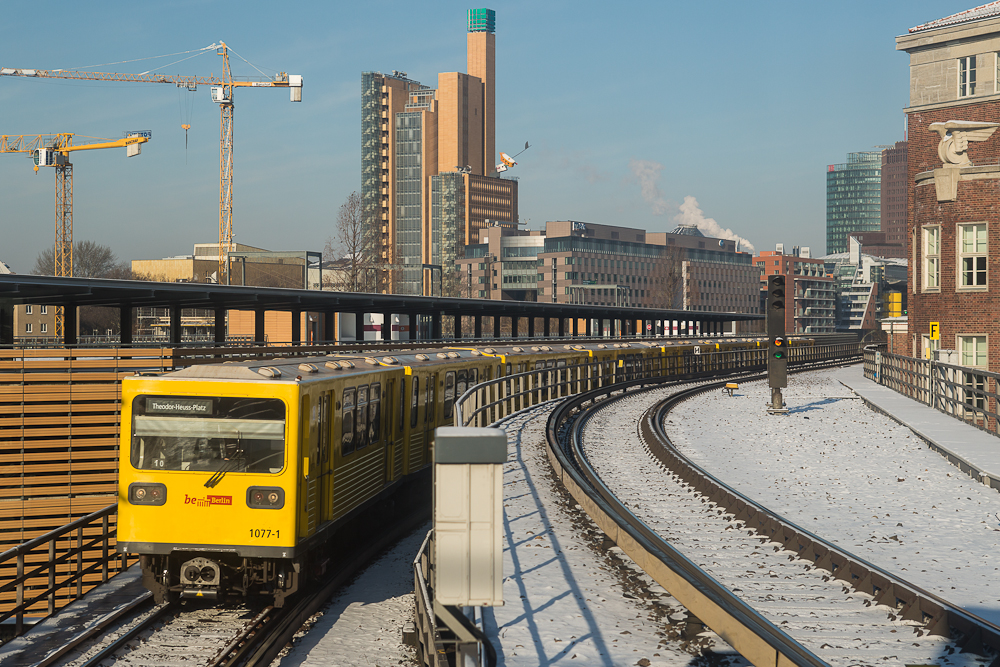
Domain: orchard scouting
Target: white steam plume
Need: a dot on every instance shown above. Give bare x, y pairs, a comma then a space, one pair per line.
647, 173
691, 214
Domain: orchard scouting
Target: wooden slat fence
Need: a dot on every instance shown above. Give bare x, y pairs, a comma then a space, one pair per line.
59, 423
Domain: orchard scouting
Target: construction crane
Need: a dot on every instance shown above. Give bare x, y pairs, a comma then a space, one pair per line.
52, 150
222, 93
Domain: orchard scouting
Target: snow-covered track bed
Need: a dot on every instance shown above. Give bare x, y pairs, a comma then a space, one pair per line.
764, 592
174, 635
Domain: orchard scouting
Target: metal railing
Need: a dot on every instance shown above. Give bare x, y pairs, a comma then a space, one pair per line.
50, 572
493, 400
964, 393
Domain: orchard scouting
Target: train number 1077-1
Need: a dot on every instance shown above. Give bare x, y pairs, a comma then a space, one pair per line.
263, 532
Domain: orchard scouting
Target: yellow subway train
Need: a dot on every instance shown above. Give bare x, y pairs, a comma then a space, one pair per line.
239, 478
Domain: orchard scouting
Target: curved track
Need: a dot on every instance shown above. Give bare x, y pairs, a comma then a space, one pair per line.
776, 590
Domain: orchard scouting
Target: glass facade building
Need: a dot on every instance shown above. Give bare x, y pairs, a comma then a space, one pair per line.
853, 198
409, 201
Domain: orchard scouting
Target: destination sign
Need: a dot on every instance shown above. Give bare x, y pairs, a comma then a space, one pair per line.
178, 406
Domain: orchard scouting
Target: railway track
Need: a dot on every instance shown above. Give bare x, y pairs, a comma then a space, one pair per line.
222, 635
773, 591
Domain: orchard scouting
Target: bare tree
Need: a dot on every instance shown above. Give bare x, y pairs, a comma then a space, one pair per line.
91, 260
352, 249
667, 279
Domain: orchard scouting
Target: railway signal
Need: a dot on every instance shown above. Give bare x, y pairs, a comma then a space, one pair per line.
777, 357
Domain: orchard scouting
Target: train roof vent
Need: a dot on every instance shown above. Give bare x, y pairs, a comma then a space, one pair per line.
308, 368
517, 349
371, 361
535, 348
390, 361
569, 347
477, 353
546, 348
422, 357
270, 372
578, 347
626, 345
489, 350
441, 355
345, 364
335, 365
601, 345
454, 355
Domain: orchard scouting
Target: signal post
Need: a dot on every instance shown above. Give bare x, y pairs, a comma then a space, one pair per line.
777, 347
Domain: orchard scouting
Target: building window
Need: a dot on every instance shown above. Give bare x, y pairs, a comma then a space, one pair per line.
972, 255
27, 310
967, 76
44, 310
972, 351
27, 328
45, 327
932, 258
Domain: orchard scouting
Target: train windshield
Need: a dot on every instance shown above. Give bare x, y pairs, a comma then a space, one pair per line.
208, 433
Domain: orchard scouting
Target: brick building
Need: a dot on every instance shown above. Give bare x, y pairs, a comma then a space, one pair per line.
813, 295
953, 223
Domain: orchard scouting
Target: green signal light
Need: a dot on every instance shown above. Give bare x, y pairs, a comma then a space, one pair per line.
779, 354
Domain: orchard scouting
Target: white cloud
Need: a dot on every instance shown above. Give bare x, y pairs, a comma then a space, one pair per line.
691, 214
647, 173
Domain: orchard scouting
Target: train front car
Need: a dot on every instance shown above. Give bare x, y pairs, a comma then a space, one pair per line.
207, 482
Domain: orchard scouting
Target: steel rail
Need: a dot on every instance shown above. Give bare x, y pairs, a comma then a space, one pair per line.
262, 648
745, 629
913, 603
120, 642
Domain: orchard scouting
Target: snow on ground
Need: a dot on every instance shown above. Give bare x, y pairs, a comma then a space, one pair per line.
854, 477
567, 601
362, 625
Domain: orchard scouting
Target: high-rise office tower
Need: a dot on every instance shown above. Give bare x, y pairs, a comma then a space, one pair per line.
853, 198
410, 135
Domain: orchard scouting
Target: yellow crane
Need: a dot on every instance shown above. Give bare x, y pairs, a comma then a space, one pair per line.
52, 150
222, 93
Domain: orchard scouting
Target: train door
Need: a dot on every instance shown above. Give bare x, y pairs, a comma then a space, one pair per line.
389, 450
326, 456
430, 414
311, 467
415, 446
461, 384
448, 407
397, 460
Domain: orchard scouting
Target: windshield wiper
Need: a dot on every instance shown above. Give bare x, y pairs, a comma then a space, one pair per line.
217, 476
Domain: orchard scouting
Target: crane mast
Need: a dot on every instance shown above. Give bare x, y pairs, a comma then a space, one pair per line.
222, 93
52, 150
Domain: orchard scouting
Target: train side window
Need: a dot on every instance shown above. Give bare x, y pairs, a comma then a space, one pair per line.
539, 365
347, 423
461, 383
375, 414
361, 419
508, 371
473, 377
449, 393
414, 407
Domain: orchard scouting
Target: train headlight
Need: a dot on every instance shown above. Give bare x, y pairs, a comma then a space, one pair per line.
145, 493
265, 497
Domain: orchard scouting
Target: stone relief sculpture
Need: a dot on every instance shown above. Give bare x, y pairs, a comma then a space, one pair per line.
955, 138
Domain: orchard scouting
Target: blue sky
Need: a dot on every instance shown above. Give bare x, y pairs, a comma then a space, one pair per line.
630, 109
